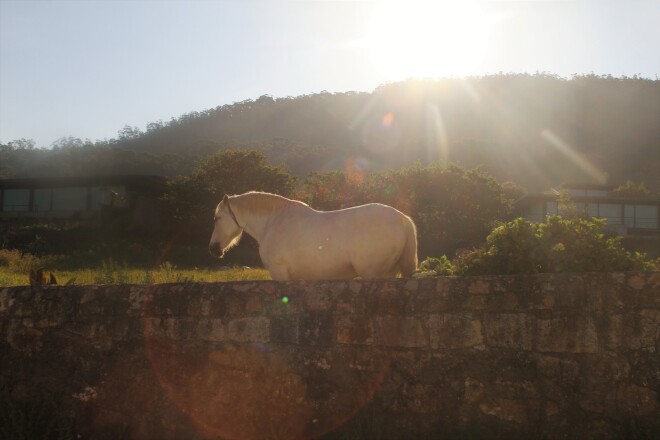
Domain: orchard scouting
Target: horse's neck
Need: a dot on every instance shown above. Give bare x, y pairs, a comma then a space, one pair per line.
254, 218
253, 224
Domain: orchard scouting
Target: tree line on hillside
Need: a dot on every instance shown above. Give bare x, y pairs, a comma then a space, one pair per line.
535, 130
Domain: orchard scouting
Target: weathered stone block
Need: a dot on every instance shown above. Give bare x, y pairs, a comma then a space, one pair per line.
575, 334
476, 302
395, 331
137, 296
316, 300
513, 331
355, 330
211, 329
503, 301
649, 294
608, 292
455, 330
284, 329
479, 286
632, 331
386, 298
316, 328
565, 291
563, 372
348, 302
543, 301
167, 327
450, 293
253, 329
474, 390
650, 330
634, 400
507, 410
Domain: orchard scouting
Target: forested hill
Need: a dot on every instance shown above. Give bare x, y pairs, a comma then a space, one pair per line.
536, 130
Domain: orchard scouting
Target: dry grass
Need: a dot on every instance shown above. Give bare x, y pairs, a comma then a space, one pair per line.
15, 268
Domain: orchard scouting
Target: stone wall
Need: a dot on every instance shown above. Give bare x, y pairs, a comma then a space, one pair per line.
554, 356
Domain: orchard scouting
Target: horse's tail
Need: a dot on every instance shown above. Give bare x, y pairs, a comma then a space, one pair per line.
408, 260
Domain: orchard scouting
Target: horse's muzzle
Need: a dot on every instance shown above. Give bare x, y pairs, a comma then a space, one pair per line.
215, 250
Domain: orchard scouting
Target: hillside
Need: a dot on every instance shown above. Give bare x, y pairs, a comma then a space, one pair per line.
536, 130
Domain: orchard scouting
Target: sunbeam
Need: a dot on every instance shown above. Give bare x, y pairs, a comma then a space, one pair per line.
568, 151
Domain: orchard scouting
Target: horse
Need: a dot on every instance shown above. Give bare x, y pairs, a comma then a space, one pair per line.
297, 242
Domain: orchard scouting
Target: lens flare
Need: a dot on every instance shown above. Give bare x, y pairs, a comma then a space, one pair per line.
388, 120
436, 134
356, 169
568, 151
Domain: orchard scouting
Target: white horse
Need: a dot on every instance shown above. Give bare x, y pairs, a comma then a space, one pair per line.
297, 242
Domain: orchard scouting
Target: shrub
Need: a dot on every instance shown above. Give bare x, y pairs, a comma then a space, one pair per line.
441, 266
556, 245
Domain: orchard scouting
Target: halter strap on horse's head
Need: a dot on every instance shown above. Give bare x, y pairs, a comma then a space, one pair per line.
231, 212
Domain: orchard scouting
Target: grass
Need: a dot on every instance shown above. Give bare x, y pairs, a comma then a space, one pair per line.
15, 268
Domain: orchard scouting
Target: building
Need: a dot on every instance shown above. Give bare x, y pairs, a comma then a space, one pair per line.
625, 215
77, 198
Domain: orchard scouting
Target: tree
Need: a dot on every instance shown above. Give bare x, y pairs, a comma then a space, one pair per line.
236, 172
69, 143
22, 144
453, 207
631, 189
127, 133
192, 199
330, 191
565, 205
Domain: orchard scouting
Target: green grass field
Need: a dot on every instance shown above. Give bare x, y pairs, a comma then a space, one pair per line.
15, 269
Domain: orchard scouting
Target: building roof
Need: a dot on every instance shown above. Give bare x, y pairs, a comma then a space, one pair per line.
609, 198
591, 186
130, 180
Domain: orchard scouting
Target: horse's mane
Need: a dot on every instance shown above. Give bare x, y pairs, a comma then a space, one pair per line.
262, 202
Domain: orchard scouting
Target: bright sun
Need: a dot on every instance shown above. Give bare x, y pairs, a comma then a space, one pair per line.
427, 38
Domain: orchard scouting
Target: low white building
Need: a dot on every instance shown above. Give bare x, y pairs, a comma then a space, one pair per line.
625, 215
75, 198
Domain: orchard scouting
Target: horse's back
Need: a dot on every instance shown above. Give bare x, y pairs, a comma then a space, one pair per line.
367, 240
382, 240
378, 240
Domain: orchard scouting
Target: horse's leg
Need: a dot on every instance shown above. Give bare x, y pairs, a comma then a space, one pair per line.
279, 272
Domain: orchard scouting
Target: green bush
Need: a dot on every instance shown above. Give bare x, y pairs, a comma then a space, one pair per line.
556, 245
441, 266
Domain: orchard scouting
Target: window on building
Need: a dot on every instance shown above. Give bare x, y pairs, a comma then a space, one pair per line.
16, 200
70, 199
646, 217
629, 215
42, 199
100, 196
611, 212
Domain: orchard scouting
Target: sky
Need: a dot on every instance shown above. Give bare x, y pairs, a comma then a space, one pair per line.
87, 68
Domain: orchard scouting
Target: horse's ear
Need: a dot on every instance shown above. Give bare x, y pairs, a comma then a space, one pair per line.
225, 198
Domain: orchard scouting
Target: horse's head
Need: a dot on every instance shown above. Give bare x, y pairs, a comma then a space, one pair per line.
227, 231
